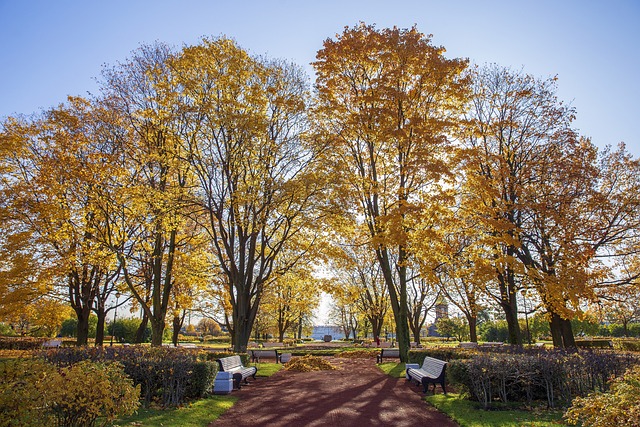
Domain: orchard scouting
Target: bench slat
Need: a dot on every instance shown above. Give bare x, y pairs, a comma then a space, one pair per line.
233, 364
432, 371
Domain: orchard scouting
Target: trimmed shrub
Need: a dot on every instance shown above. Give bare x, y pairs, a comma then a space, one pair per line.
24, 343
166, 375
597, 343
620, 407
627, 345
527, 375
442, 353
35, 393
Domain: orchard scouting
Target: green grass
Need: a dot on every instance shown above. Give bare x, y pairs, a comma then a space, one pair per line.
468, 414
266, 369
197, 414
393, 369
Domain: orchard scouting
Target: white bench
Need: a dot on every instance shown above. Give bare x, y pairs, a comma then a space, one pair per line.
52, 344
233, 365
492, 344
432, 371
468, 345
187, 345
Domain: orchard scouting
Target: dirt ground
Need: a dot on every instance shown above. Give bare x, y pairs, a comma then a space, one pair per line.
358, 394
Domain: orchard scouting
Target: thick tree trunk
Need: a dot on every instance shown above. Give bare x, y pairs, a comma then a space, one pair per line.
142, 330
83, 314
567, 334
244, 316
509, 305
102, 315
561, 332
398, 299
157, 332
473, 328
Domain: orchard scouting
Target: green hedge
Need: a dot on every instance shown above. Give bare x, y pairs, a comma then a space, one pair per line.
442, 353
166, 375
627, 345
7, 343
595, 343
533, 375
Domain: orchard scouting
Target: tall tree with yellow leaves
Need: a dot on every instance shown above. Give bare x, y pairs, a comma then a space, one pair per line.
512, 115
387, 101
52, 204
256, 180
148, 205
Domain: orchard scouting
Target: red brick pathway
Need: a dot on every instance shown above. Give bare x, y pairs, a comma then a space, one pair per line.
358, 394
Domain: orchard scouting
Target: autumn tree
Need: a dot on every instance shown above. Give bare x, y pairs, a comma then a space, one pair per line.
581, 209
148, 205
51, 203
387, 101
422, 298
256, 183
289, 299
463, 276
511, 116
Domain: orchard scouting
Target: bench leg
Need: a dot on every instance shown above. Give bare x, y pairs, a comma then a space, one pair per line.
237, 379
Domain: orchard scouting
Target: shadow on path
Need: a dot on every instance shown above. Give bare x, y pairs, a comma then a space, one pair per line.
358, 394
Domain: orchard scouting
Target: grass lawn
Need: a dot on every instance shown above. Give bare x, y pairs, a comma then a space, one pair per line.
266, 369
197, 414
468, 414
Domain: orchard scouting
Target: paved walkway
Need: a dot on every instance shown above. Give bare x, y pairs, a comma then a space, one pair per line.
358, 394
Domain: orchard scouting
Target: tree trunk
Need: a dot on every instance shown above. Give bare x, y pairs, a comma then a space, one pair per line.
509, 305
102, 315
567, 334
473, 328
142, 330
556, 331
157, 331
561, 332
244, 316
398, 301
178, 320
83, 314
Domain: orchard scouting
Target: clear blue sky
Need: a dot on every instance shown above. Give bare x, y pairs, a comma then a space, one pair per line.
51, 49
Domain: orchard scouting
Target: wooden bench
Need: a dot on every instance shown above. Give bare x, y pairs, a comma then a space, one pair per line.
393, 353
431, 372
468, 345
492, 344
233, 365
256, 355
52, 344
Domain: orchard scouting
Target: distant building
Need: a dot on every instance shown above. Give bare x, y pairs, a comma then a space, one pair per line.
442, 312
320, 331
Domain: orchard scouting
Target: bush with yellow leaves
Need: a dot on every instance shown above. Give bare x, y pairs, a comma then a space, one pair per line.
619, 407
309, 363
23, 384
35, 393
